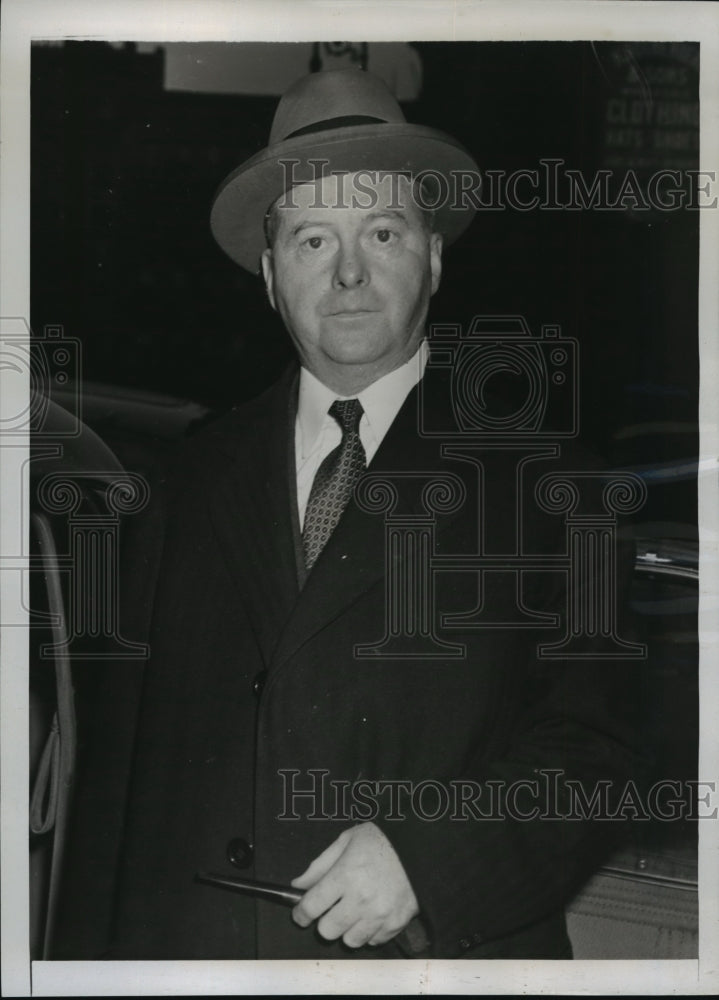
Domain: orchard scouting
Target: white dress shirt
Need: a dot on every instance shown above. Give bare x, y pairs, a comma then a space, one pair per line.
317, 433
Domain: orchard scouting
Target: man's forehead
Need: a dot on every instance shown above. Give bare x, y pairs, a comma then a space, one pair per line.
364, 190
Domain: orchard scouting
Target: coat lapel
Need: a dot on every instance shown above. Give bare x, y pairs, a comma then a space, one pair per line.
254, 509
354, 558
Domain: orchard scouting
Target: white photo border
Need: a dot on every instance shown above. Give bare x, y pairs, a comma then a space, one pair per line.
366, 20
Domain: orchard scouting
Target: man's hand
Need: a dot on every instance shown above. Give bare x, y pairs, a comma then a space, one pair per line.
358, 888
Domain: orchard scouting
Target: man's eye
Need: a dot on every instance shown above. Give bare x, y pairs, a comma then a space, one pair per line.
314, 242
384, 235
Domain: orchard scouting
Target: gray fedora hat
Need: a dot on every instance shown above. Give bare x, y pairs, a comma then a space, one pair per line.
338, 121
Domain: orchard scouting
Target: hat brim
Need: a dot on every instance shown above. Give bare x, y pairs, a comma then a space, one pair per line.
238, 211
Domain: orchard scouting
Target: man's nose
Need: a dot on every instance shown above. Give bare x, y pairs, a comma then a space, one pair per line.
350, 265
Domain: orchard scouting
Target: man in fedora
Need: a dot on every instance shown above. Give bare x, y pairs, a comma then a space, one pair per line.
281, 738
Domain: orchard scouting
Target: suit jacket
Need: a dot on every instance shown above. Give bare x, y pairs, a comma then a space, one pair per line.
217, 590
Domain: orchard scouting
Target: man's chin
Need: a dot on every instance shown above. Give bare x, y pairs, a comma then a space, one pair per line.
357, 348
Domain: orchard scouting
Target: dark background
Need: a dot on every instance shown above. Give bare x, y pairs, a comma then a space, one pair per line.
124, 172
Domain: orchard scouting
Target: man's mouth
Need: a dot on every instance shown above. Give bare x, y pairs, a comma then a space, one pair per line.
353, 312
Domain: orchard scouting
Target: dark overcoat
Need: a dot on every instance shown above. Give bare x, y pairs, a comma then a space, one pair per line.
256, 689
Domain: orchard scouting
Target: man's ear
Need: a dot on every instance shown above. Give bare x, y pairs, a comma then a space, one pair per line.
269, 276
435, 259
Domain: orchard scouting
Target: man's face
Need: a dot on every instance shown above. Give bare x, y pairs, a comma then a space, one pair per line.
351, 273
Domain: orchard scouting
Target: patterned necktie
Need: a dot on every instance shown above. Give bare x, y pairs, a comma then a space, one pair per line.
335, 480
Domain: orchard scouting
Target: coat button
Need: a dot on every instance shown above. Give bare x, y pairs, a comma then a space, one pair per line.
258, 683
465, 943
240, 852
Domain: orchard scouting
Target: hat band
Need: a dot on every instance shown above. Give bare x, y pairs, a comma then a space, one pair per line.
340, 122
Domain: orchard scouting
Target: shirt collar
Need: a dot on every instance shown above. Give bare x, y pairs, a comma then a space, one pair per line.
381, 401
